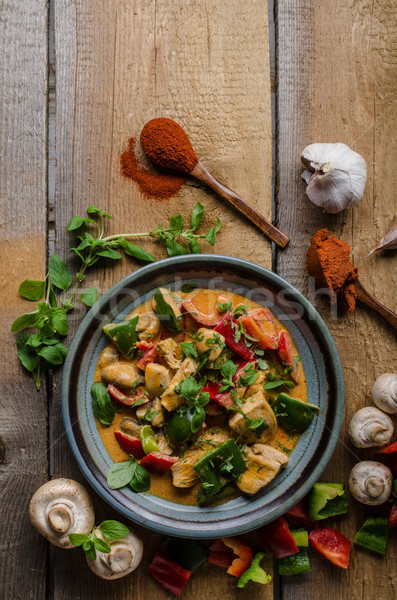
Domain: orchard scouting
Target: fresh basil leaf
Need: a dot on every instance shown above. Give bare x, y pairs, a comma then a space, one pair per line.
228, 369
25, 321
188, 287
94, 210
296, 360
197, 216
217, 225
78, 539
198, 419
34, 340
89, 296
262, 364
101, 545
175, 249
101, 404
52, 298
121, 474
203, 399
194, 246
136, 251
210, 237
31, 289
270, 385
165, 312
76, 222
89, 549
140, 481
176, 226
254, 423
26, 354
59, 272
109, 253
189, 389
189, 350
60, 321
52, 354
113, 530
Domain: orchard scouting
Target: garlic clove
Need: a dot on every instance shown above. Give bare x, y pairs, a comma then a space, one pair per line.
335, 174
388, 242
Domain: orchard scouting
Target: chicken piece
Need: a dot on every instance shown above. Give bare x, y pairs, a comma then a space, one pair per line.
207, 339
183, 474
169, 399
157, 378
263, 464
170, 352
257, 386
155, 404
164, 446
255, 407
148, 326
131, 426
108, 357
122, 374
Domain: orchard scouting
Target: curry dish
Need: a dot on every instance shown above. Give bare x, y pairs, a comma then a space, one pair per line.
209, 391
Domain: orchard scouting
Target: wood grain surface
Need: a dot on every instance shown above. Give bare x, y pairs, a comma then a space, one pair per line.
205, 64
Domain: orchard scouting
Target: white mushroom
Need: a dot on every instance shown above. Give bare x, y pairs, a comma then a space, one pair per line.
157, 378
370, 482
370, 427
148, 326
61, 507
123, 558
384, 393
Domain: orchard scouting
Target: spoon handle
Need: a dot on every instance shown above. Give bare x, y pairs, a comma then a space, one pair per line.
277, 236
366, 298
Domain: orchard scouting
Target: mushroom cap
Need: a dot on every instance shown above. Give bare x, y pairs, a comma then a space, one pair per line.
61, 507
370, 427
384, 393
370, 482
123, 558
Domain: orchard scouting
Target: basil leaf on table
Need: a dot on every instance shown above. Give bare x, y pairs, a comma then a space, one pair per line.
26, 354
102, 405
89, 296
60, 321
24, 321
197, 216
31, 289
101, 545
176, 226
54, 355
113, 530
175, 249
59, 272
136, 251
121, 474
194, 246
140, 481
76, 222
109, 253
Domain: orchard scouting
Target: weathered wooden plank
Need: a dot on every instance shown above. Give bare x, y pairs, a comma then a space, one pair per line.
118, 65
23, 81
337, 76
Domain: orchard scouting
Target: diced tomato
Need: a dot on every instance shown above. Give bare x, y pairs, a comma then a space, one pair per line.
224, 552
277, 538
220, 554
331, 544
299, 514
150, 354
260, 325
206, 319
169, 573
130, 444
138, 397
389, 449
393, 517
229, 327
159, 462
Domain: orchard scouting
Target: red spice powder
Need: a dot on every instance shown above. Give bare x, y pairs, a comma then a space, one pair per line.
160, 186
167, 145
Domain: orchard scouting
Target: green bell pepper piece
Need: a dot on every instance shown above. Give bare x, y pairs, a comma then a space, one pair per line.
123, 335
327, 500
224, 463
301, 538
226, 491
296, 563
148, 440
188, 553
255, 572
373, 535
178, 427
293, 414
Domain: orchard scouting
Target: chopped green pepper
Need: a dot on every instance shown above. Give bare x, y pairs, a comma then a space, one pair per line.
293, 414
254, 572
373, 535
178, 427
327, 500
296, 563
123, 335
148, 440
188, 553
301, 538
226, 491
219, 465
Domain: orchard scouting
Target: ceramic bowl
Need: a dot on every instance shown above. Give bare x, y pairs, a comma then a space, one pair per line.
320, 362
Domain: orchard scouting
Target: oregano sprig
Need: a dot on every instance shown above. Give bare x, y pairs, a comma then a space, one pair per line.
90, 542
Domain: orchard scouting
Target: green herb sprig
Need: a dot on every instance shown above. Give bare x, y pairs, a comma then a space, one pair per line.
90, 542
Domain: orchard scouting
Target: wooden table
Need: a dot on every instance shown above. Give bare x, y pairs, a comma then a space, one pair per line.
78, 78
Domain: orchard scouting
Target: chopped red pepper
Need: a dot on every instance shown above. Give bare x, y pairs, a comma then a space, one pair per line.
229, 327
225, 398
206, 319
331, 544
223, 553
159, 462
261, 326
392, 523
389, 449
150, 354
220, 554
277, 538
137, 398
169, 573
299, 514
130, 444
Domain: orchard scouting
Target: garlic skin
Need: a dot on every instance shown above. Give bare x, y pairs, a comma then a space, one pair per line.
336, 176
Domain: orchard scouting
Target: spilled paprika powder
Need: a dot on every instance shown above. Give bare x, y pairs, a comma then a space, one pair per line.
327, 260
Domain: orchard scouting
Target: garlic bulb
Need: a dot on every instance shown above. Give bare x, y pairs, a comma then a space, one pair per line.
388, 242
370, 482
370, 427
384, 393
336, 176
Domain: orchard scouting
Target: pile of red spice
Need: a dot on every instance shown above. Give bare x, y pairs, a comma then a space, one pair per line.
160, 186
167, 145
328, 261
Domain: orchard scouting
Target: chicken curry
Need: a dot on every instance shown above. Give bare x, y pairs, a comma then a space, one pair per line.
206, 393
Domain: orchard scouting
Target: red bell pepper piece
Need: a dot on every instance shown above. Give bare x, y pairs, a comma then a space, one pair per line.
224, 399
260, 325
299, 514
223, 553
277, 538
137, 398
159, 462
331, 544
206, 319
393, 517
150, 354
169, 573
229, 327
390, 449
130, 444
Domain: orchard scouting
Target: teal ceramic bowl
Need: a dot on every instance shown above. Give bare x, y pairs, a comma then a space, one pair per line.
320, 362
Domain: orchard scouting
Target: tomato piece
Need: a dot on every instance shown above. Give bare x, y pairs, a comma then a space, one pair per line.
206, 319
159, 462
332, 545
137, 398
261, 325
150, 354
130, 444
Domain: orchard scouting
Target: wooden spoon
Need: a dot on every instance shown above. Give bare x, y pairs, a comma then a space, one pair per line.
366, 298
167, 145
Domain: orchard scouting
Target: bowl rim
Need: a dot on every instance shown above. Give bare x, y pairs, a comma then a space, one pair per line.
218, 261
